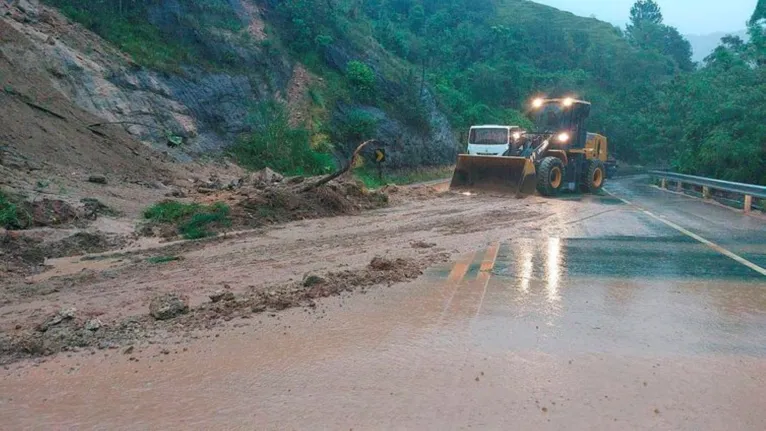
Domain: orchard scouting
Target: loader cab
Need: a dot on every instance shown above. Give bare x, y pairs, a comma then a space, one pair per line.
564, 119
492, 140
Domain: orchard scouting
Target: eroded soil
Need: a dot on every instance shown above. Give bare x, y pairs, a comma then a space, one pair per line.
102, 300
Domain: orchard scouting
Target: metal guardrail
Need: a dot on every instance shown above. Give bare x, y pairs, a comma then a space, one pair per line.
749, 191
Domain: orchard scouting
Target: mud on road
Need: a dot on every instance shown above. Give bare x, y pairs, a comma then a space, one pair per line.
103, 301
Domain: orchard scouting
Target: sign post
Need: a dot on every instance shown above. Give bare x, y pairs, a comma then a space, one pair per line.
380, 158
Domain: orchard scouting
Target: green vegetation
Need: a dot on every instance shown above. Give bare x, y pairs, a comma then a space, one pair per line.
11, 215
274, 144
482, 60
158, 260
710, 122
127, 25
362, 80
171, 211
193, 221
371, 179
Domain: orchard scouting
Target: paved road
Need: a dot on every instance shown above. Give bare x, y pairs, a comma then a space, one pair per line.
646, 314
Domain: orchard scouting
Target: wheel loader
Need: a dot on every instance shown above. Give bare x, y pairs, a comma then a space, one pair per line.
559, 154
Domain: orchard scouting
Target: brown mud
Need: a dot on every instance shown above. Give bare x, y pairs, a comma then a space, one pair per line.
272, 267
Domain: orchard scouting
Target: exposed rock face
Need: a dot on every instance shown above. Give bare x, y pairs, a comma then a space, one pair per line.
207, 108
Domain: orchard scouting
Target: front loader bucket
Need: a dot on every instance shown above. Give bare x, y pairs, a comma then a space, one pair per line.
512, 175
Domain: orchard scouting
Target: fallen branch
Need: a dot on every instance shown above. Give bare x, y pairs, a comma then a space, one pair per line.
339, 173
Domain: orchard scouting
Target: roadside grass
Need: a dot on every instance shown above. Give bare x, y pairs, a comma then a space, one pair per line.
159, 260
192, 221
371, 179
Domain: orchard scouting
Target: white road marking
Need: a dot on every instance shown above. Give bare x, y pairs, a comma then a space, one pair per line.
694, 236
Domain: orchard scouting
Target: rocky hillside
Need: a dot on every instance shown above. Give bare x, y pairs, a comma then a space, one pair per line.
297, 85
190, 87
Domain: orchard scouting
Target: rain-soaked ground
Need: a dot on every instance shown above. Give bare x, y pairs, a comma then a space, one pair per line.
615, 321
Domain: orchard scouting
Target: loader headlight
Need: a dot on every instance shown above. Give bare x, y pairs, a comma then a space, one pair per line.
563, 137
516, 136
538, 103
568, 102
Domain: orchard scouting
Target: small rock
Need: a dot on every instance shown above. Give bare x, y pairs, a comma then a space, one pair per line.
259, 308
423, 244
221, 295
68, 313
128, 350
65, 314
311, 280
93, 325
50, 40
206, 190
296, 180
97, 179
264, 176
168, 305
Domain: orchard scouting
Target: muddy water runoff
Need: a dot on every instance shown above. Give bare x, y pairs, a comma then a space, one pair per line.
597, 332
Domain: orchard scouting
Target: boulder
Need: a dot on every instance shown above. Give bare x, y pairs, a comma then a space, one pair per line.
264, 176
221, 295
167, 306
93, 325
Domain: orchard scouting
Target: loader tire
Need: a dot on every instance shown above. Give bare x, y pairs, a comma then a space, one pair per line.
595, 177
550, 176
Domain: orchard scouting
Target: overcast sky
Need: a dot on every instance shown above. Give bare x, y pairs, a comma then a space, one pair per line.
689, 16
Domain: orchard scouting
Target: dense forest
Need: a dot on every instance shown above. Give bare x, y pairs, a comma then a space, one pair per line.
480, 61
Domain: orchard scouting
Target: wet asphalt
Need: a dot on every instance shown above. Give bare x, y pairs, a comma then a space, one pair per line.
616, 320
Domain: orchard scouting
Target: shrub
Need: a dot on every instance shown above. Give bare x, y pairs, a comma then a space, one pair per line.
357, 126
362, 80
198, 225
11, 216
276, 145
170, 211
193, 221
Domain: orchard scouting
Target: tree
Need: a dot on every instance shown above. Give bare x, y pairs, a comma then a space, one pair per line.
648, 32
760, 12
646, 11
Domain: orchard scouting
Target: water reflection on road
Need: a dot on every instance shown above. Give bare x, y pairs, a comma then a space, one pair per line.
548, 332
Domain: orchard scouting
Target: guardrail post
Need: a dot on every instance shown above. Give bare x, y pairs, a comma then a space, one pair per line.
664, 183
679, 186
706, 192
748, 204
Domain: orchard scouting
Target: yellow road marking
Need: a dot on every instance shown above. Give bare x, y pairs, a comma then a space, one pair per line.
489, 259
460, 269
696, 237
485, 271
